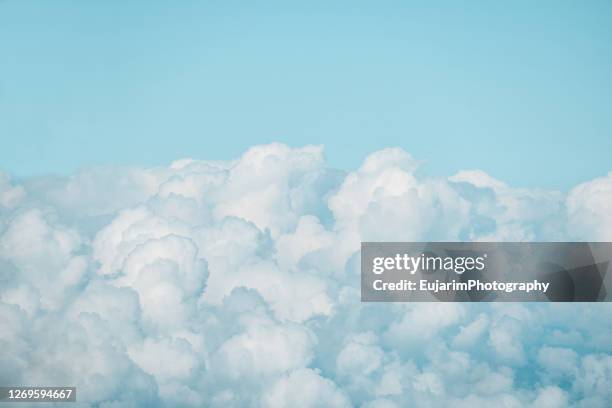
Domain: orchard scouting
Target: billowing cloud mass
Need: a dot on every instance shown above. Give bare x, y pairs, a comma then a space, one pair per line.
236, 283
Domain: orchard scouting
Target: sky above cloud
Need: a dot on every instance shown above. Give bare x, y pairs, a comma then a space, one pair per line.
233, 283
502, 87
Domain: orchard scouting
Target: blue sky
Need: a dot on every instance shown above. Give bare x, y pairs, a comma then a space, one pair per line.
522, 90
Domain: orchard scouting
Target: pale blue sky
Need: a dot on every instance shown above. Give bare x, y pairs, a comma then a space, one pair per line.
522, 89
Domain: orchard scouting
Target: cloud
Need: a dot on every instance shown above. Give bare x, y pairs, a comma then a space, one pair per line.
469, 334
503, 213
505, 338
305, 388
594, 380
386, 188
551, 397
588, 208
265, 348
207, 283
558, 361
10, 194
361, 355
42, 262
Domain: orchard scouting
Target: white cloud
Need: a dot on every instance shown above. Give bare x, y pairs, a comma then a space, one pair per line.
505, 338
46, 256
429, 383
517, 214
304, 388
166, 359
558, 361
384, 200
10, 194
265, 348
551, 397
260, 185
421, 322
237, 284
469, 334
594, 380
360, 356
588, 208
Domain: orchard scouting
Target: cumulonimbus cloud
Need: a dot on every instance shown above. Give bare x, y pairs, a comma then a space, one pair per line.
236, 283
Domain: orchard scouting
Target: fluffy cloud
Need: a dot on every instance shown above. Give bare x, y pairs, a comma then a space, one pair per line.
588, 207
10, 194
42, 263
265, 348
236, 283
304, 388
503, 213
385, 199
